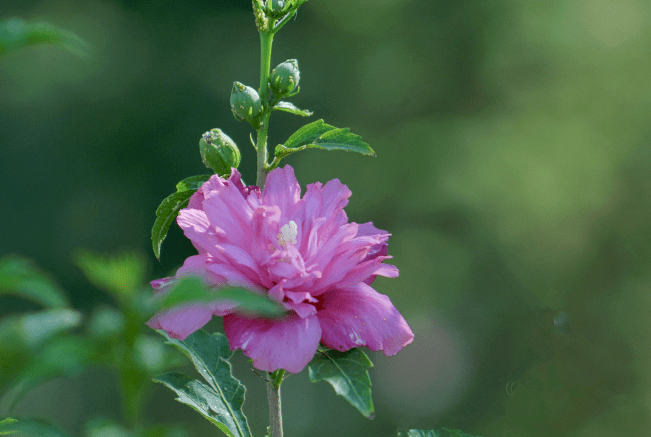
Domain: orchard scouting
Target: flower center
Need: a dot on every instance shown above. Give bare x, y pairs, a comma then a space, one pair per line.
288, 234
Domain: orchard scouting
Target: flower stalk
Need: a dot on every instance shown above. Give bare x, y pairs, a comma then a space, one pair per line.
273, 398
266, 41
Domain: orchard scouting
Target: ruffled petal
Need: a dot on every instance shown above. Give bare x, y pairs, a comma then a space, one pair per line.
197, 228
360, 316
282, 190
288, 343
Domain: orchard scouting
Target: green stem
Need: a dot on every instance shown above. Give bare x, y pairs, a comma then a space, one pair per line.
273, 397
266, 41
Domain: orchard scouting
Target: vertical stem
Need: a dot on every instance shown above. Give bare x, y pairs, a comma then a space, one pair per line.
266, 40
273, 398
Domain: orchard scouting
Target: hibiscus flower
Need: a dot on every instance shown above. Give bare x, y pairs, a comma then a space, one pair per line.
300, 252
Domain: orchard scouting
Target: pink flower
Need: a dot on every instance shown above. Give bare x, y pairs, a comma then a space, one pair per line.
302, 253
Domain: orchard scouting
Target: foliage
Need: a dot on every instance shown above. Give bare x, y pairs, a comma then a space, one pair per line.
220, 401
347, 373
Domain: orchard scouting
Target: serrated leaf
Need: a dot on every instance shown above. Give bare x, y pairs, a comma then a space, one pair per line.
443, 432
119, 274
18, 276
192, 183
347, 373
191, 289
293, 109
16, 33
220, 401
320, 135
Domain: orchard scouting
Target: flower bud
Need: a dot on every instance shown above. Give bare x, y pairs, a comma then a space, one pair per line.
245, 102
284, 78
219, 152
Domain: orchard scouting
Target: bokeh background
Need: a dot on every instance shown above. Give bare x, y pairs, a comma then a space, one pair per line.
513, 170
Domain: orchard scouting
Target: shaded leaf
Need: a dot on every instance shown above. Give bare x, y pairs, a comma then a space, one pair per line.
293, 109
35, 428
15, 33
191, 289
220, 401
119, 274
6, 426
320, 135
347, 373
165, 215
443, 432
18, 276
170, 207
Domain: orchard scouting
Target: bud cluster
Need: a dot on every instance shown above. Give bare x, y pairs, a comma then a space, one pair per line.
279, 8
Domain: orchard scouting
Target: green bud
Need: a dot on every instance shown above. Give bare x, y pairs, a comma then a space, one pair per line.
245, 102
284, 78
219, 152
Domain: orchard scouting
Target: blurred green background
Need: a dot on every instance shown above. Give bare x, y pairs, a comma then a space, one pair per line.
513, 170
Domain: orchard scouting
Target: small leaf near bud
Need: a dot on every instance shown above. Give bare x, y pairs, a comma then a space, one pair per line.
219, 152
285, 77
245, 102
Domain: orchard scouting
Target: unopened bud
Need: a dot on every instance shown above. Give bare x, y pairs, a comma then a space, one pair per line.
285, 77
245, 102
219, 152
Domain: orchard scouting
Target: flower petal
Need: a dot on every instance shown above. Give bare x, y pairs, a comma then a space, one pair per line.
360, 316
288, 343
197, 228
282, 190
182, 321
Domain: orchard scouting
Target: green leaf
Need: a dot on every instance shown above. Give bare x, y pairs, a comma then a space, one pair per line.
291, 108
170, 207
165, 215
192, 289
192, 183
120, 274
5, 426
220, 401
443, 432
320, 135
33, 428
19, 277
347, 373
15, 34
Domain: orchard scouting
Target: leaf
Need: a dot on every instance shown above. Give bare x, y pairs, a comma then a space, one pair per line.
347, 373
221, 400
5, 426
15, 33
120, 274
192, 183
170, 207
320, 135
18, 276
192, 289
293, 109
165, 214
443, 432
33, 428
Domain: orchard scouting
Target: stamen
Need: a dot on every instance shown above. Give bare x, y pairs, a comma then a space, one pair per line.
288, 234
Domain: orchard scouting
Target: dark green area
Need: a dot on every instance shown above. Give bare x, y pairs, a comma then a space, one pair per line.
513, 171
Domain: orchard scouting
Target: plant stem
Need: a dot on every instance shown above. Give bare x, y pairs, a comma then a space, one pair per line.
266, 40
273, 398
